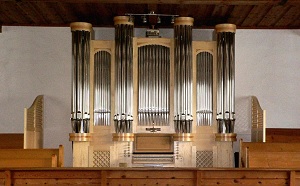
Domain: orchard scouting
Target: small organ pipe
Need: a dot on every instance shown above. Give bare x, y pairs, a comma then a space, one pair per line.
102, 62
204, 64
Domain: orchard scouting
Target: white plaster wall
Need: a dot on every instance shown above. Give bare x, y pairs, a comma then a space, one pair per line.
34, 61
37, 60
267, 66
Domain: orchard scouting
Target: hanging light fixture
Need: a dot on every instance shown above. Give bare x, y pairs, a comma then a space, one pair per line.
144, 19
151, 13
158, 20
172, 19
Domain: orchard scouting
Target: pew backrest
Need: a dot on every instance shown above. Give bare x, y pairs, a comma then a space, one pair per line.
278, 159
32, 157
11, 141
269, 155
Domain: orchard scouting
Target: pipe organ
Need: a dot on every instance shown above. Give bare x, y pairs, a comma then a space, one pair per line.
139, 102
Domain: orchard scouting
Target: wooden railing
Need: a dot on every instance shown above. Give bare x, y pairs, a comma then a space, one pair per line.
150, 176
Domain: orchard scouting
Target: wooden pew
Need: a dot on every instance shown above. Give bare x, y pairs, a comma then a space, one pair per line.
32, 157
269, 155
32, 138
11, 141
285, 135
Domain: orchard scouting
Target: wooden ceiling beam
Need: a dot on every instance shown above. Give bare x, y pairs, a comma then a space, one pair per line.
207, 2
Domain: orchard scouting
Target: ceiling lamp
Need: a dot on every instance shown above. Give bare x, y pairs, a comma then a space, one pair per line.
147, 17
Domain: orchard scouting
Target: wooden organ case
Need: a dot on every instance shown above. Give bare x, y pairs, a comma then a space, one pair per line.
152, 101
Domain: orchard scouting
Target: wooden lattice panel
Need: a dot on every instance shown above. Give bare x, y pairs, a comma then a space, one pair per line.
101, 159
204, 159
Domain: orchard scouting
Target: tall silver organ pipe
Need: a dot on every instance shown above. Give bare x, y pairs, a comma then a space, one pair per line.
80, 114
123, 74
154, 85
102, 71
225, 77
183, 74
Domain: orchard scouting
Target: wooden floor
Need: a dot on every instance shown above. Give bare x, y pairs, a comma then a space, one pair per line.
149, 176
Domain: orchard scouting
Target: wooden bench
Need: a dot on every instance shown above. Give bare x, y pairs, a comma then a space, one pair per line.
285, 135
11, 141
32, 157
269, 155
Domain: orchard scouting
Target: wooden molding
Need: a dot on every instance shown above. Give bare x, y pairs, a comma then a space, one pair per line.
225, 137
118, 20
81, 26
80, 137
183, 137
123, 137
225, 28
184, 21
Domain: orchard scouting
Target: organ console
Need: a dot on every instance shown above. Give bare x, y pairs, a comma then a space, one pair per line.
153, 101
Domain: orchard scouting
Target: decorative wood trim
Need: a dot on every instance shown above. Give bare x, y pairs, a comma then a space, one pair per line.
225, 28
81, 26
225, 137
123, 137
184, 21
183, 137
118, 20
80, 137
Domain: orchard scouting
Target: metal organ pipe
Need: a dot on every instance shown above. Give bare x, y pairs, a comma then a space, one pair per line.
225, 77
204, 81
123, 74
80, 114
183, 74
154, 70
102, 71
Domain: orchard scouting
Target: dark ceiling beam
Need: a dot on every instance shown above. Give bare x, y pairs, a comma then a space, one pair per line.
207, 2
152, 7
